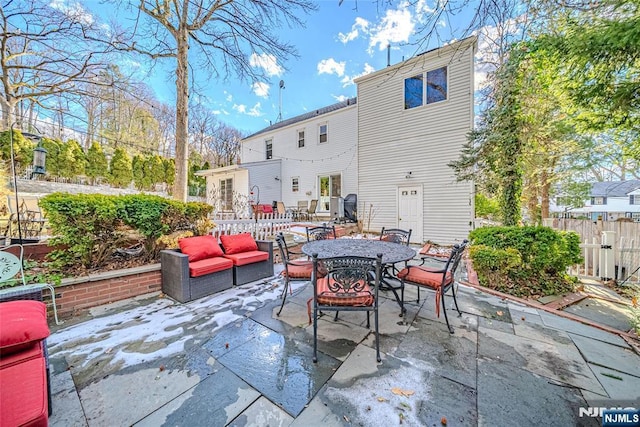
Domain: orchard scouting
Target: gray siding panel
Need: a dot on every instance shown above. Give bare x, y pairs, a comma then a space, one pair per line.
393, 141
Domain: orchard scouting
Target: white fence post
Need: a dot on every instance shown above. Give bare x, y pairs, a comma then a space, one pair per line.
607, 256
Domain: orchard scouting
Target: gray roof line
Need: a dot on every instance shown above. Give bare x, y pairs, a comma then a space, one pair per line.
315, 113
614, 188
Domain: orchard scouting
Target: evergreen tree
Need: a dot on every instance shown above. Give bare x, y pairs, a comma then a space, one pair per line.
120, 170
96, 163
138, 171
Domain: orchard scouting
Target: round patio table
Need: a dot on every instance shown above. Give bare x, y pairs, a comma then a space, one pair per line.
329, 248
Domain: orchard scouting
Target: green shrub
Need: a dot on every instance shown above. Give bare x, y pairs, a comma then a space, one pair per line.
525, 261
92, 226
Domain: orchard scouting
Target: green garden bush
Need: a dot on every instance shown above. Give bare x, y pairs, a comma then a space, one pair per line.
90, 227
525, 261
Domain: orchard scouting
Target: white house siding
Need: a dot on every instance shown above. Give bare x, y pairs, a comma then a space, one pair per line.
337, 156
262, 179
393, 141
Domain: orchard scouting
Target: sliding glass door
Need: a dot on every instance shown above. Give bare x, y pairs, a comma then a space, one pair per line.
329, 186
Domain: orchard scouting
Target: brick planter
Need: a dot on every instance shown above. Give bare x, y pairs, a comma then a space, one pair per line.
80, 293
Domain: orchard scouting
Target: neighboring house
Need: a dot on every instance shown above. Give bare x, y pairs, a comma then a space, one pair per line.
413, 119
391, 148
317, 154
614, 200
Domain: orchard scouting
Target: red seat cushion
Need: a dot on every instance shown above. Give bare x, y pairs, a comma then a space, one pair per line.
21, 323
23, 400
238, 243
299, 269
361, 298
209, 265
245, 258
423, 276
200, 247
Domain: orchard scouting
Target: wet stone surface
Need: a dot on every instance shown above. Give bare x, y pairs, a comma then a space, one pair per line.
278, 367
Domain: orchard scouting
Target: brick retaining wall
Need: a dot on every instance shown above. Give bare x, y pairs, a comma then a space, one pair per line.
77, 294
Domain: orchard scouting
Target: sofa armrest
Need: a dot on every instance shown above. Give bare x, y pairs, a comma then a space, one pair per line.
175, 274
266, 246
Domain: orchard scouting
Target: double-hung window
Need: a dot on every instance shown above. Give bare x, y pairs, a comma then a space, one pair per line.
426, 88
295, 184
300, 138
323, 133
269, 148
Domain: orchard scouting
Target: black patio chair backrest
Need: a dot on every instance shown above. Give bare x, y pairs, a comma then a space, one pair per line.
322, 232
396, 235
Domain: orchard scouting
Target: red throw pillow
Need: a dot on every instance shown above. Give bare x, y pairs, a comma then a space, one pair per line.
238, 243
200, 247
22, 322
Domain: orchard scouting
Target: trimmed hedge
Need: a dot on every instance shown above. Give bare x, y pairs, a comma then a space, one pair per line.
92, 226
525, 261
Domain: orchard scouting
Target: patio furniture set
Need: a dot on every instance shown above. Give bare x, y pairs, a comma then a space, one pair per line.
347, 275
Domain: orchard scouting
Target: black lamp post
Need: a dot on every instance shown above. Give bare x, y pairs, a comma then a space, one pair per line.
39, 160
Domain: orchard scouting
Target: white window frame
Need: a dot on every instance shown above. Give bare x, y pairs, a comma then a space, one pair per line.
226, 193
425, 88
295, 184
326, 133
268, 149
298, 132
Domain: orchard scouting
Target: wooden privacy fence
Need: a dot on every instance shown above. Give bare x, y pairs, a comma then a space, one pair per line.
611, 249
263, 226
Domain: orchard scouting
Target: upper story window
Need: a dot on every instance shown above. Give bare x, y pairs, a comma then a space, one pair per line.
295, 184
634, 199
322, 132
426, 88
599, 200
269, 148
300, 138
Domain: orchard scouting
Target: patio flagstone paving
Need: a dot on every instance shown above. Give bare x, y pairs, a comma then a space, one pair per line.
227, 359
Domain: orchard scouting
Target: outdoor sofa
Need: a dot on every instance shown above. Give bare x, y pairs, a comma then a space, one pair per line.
202, 267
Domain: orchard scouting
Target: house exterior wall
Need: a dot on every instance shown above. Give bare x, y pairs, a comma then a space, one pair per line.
336, 156
393, 141
240, 177
616, 207
262, 179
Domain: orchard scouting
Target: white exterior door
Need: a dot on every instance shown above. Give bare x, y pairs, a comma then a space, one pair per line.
410, 211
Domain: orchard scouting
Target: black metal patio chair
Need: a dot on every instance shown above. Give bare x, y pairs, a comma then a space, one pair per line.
440, 280
343, 284
299, 270
321, 232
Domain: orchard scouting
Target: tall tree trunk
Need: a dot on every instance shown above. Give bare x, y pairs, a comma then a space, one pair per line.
182, 115
544, 196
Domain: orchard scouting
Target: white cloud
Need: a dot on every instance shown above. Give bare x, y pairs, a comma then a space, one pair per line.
340, 98
331, 66
267, 62
253, 111
73, 10
348, 80
360, 24
395, 27
261, 89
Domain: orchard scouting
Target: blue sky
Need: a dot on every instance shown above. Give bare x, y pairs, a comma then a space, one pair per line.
338, 44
